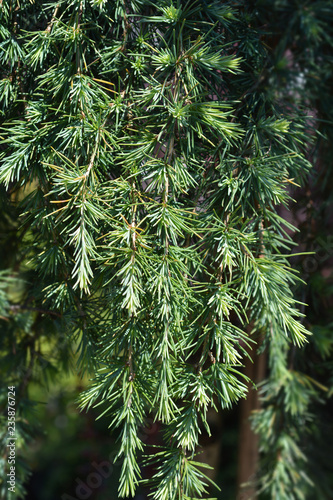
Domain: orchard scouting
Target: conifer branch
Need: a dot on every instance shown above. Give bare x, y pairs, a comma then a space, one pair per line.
53, 18
169, 240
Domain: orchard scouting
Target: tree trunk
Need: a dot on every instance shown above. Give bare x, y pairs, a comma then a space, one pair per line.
248, 452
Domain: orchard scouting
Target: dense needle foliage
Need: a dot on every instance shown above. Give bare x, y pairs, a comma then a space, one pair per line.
147, 150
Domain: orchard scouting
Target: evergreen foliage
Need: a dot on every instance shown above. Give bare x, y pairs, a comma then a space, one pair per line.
147, 150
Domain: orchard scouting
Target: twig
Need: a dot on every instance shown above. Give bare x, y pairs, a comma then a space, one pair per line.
54, 15
78, 66
17, 307
131, 375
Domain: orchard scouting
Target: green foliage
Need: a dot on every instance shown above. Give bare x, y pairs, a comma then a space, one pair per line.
145, 154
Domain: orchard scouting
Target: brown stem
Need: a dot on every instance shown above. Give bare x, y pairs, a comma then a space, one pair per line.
203, 357
127, 27
54, 15
78, 65
134, 207
17, 307
130, 362
203, 354
92, 160
131, 374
